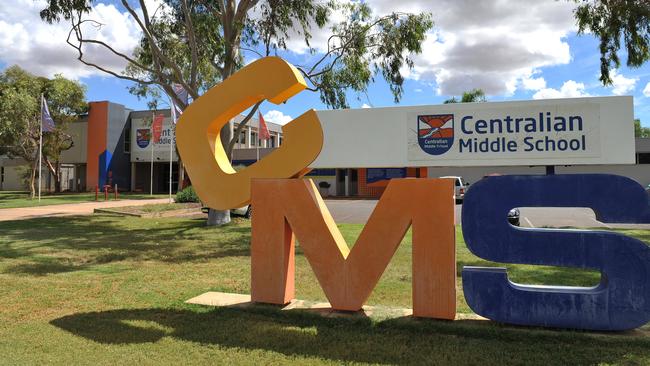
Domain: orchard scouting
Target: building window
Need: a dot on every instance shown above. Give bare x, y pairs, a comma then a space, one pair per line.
271, 142
242, 138
643, 158
254, 139
279, 140
127, 141
2, 174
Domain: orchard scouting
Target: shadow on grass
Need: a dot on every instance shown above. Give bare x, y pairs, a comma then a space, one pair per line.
64, 244
43, 269
356, 339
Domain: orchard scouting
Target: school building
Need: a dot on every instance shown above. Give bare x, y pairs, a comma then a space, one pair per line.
113, 146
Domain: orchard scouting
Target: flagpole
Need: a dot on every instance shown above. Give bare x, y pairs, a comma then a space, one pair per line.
40, 152
153, 116
171, 146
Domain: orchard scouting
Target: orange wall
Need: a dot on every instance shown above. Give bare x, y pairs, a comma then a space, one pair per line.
97, 130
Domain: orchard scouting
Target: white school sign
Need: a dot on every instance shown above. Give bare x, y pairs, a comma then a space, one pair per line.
142, 141
577, 131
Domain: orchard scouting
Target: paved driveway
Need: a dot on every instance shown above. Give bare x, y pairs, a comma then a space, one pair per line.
70, 209
358, 211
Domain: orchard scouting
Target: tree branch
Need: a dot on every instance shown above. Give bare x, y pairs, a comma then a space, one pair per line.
77, 30
240, 127
158, 54
189, 25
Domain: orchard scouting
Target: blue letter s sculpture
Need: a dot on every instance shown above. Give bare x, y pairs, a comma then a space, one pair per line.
622, 299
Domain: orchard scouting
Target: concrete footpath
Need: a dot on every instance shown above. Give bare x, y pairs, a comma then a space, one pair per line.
70, 209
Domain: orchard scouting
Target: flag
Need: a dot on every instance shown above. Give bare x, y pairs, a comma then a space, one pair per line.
156, 127
181, 94
264, 131
47, 122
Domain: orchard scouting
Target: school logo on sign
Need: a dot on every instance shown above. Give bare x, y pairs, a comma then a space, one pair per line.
143, 137
436, 133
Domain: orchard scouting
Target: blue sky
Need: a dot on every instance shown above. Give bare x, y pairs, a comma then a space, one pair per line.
527, 49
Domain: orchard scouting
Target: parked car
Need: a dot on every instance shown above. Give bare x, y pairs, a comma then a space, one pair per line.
460, 186
245, 211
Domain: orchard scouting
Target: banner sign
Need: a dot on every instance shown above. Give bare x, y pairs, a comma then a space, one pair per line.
142, 140
577, 131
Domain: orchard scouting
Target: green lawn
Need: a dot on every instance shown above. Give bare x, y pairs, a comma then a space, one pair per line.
111, 290
14, 199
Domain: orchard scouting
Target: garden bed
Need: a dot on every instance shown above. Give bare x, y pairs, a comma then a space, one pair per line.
154, 210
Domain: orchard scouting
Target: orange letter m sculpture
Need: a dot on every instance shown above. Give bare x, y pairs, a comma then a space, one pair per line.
287, 206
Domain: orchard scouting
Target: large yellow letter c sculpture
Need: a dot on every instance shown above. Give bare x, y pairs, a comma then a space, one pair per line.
198, 133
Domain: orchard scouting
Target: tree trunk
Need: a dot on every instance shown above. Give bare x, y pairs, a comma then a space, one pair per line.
218, 217
55, 171
232, 35
181, 175
57, 177
32, 178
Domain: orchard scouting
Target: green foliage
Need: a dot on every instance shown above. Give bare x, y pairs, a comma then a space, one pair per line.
613, 21
472, 96
187, 195
66, 100
20, 103
20, 108
640, 131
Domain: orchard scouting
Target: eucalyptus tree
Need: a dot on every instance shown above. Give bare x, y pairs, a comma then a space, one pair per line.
616, 23
199, 43
20, 107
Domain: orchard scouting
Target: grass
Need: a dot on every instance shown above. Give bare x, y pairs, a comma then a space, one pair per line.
15, 199
111, 290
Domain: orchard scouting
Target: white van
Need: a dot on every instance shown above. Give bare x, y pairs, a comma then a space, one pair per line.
460, 186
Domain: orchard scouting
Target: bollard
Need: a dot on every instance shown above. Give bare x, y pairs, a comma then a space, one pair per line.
115, 192
96, 193
105, 193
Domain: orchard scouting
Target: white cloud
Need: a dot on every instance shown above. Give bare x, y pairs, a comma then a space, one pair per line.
646, 90
41, 48
531, 83
277, 117
365, 105
570, 89
622, 85
492, 45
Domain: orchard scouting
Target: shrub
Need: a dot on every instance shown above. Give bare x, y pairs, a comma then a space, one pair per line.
324, 184
187, 195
